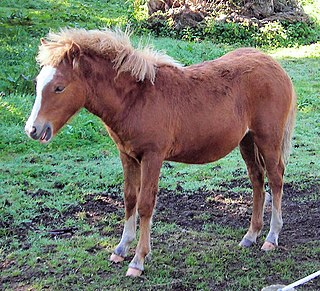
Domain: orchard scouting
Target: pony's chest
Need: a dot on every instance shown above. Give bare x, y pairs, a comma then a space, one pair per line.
123, 146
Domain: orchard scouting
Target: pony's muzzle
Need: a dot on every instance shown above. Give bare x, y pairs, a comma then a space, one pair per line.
43, 133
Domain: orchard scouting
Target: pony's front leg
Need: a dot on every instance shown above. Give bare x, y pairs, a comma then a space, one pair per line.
132, 180
150, 170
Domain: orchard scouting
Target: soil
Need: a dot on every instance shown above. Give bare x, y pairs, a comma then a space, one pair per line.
191, 211
234, 210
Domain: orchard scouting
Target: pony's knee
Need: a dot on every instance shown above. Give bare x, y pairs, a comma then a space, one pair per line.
257, 226
130, 204
145, 207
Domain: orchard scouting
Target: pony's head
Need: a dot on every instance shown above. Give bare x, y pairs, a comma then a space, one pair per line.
60, 93
61, 85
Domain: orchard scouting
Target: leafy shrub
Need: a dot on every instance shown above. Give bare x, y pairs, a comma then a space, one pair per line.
274, 33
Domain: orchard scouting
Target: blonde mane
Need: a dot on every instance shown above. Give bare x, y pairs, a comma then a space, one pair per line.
142, 63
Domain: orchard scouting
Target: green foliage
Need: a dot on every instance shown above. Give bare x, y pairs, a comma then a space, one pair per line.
272, 33
275, 33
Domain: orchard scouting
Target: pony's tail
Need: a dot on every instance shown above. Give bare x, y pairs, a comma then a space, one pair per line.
288, 130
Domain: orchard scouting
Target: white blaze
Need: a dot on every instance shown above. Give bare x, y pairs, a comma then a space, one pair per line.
45, 76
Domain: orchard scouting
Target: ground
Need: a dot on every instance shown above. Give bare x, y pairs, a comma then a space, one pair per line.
190, 213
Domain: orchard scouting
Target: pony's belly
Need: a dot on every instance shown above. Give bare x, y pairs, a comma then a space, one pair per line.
192, 160
201, 156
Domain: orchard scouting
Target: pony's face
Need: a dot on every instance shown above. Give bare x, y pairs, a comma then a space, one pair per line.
60, 93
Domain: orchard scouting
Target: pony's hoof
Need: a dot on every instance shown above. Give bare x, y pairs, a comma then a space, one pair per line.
246, 243
133, 272
116, 259
268, 246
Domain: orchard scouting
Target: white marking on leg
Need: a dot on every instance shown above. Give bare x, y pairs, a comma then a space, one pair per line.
267, 199
129, 231
128, 235
251, 237
275, 226
143, 249
45, 76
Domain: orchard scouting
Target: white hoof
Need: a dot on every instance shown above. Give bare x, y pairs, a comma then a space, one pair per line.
116, 259
133, 272
268, 246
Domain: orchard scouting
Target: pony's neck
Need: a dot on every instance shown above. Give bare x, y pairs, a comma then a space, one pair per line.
108, 92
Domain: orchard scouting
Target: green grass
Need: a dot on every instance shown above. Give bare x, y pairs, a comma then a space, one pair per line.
22, 23
47, 187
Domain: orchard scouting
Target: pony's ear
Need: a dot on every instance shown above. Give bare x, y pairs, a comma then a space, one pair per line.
43, 41
74, 54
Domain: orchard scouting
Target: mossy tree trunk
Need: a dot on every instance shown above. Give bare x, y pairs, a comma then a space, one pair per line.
266, 8
259, 9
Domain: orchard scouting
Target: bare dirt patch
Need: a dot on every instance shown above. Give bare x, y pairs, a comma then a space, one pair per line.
300, 211
192, 210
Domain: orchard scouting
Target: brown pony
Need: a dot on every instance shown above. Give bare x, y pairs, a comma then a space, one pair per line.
154, 109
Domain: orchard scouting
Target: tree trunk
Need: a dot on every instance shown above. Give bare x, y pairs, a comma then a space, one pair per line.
266, 8
259, 9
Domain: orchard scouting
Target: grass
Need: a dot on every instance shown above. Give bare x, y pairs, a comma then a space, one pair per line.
60, 184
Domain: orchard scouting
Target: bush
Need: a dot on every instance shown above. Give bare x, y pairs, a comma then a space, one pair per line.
249, 33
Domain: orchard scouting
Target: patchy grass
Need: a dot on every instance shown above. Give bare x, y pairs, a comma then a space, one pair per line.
75, 183
22, 23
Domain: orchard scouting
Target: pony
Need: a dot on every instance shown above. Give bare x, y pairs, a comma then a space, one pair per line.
155, 109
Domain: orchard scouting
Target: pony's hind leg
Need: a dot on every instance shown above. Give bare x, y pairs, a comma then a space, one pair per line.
132, 177
275, 171
271, 152
255, 166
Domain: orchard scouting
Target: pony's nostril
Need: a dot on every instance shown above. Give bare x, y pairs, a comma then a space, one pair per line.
33, 133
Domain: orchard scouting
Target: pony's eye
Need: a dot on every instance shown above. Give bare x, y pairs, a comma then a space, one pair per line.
59, 89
